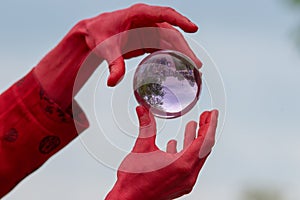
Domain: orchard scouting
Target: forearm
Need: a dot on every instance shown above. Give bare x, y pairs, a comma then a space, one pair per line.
58, 70
36, 113
32, 129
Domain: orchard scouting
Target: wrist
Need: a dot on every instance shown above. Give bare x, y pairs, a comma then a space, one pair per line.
58, 70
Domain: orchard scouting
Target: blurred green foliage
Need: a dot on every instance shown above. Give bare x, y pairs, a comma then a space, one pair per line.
297, 37
296, 1
262, 194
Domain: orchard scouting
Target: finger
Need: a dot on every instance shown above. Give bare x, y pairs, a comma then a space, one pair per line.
142, 40
172, 146
117, 71
156, 14
135, 53
110, 51
147, 131
181, 44
204, 121
139, 52
189, 134
207, 135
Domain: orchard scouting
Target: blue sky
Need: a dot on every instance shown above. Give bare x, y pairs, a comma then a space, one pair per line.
251, 43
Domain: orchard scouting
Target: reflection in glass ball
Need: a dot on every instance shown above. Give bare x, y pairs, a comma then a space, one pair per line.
168, 83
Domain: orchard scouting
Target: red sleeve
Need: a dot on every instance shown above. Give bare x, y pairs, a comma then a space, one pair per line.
32, 129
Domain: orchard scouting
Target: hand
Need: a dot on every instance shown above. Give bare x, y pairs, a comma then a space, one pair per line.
59, 69
148, 173
136, 42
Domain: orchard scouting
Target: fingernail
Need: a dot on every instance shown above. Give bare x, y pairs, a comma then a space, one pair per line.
190, 21
140, 109
213, 115
216, 113
143, 115
194, 25
200, 73
199, 64
113, 79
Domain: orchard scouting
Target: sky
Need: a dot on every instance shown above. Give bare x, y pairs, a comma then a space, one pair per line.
252, 46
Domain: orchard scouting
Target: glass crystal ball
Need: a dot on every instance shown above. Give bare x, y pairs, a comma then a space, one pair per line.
168, 83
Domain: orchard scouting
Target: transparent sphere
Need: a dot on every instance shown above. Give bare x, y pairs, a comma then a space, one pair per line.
168, 83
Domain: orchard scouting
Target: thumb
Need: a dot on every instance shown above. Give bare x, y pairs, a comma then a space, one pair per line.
116, 70
147, 131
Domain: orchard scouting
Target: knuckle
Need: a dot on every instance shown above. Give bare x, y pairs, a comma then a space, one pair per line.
169, 9
139, 5
188, 190
191, 182
174, 34
165, 11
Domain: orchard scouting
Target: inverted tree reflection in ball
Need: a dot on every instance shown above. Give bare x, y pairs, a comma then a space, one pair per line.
168, 82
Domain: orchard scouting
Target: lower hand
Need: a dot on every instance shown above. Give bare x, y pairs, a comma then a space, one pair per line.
149, 173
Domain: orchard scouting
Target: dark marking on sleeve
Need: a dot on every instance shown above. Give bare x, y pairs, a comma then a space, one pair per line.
48, 144
11, 135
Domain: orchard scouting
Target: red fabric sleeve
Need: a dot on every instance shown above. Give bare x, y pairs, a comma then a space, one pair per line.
32, 129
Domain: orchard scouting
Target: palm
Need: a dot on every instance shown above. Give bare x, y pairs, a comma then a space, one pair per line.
174, 172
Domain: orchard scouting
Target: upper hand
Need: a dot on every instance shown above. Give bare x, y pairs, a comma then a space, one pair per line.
103, 33
150, 173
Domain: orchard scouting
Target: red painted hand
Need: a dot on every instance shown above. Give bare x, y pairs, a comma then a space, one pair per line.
148, 173
118, 35
138, 40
